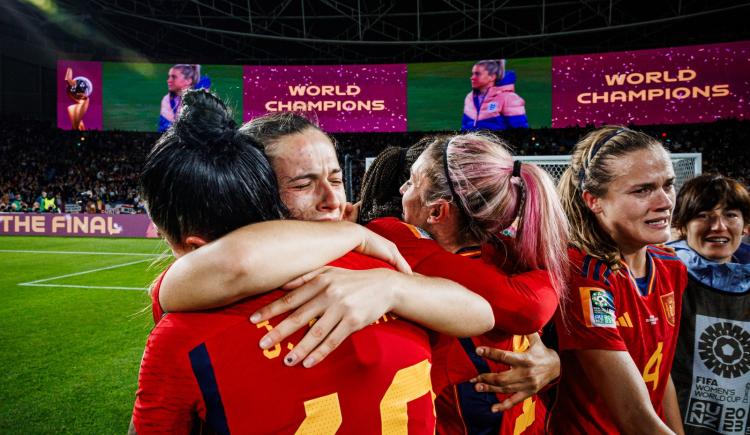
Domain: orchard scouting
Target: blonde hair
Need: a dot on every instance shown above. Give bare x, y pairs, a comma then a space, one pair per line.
477, 173
590, 170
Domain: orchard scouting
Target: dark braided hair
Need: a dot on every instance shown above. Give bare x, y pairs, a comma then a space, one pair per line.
380, 194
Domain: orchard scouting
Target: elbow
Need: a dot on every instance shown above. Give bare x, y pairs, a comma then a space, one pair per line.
522, 322
486, 318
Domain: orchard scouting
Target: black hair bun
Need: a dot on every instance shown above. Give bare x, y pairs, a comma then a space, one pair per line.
205, 120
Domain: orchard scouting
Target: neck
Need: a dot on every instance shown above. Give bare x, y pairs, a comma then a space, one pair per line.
636, 261
484, 89
450, 240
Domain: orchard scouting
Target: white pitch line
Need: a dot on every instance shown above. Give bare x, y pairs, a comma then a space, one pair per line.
27, 284
85, 272
125, 254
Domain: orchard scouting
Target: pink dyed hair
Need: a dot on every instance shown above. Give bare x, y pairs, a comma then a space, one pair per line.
480, 167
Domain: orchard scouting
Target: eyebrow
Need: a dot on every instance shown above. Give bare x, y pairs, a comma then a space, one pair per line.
311, 175
651, 185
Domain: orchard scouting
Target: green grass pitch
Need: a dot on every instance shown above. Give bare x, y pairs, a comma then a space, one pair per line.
71, 345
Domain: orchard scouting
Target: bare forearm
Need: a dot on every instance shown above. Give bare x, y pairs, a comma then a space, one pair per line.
619, 382
252, 260
443, 306
672, 409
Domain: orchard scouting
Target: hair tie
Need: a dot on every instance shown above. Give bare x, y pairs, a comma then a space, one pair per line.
511, 230
456, 199
517, 168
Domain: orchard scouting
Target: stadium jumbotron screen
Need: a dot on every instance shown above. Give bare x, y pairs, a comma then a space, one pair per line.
661, 86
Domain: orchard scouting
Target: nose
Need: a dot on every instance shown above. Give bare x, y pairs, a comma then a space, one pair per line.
402, 189
718, 223
329, 200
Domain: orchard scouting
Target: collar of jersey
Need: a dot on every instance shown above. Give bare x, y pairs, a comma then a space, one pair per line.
650, 274
470, 251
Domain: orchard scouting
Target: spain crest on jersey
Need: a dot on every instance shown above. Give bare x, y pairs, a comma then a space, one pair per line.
598, 307
667, 305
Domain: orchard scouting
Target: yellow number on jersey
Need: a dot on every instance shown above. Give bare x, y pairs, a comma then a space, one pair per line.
276, 351
408, 384
323, 414
651, 371
526, 419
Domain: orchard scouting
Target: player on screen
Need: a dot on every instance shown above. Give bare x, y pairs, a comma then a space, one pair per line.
180, 79
618, 339
206, 366
493, 103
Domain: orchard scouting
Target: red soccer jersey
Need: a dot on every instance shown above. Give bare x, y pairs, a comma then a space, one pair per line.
608, 312
208, 365
522, 304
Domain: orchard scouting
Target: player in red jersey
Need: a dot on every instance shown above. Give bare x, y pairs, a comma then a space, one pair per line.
205, 366
453, 222
520, 308
310, 182
618, 339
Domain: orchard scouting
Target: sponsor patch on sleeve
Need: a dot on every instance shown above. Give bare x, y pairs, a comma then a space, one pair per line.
418, 232
598, 307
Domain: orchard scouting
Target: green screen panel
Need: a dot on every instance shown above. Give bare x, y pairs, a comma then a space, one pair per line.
132, 92
436, 92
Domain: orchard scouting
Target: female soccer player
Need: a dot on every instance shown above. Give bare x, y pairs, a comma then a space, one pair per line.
205, 365
463, 192
180, 79
713, 349
618, 337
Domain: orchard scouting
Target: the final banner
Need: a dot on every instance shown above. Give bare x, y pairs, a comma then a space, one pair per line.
663, 86
344, 98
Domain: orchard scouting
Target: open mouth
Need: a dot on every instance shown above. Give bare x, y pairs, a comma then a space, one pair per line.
658, 223
719, 240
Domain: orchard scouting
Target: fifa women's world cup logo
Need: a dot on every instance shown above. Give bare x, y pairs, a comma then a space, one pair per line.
79, 90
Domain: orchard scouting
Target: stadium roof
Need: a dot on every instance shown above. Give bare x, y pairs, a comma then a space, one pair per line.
366, 31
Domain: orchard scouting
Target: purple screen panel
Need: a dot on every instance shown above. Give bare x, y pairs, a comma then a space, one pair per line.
343, 98
88, 76
663, 86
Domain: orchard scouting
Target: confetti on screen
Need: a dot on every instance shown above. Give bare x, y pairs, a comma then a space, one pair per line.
343, 98
663, 86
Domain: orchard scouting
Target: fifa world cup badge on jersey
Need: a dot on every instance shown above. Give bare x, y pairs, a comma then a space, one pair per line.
598, 307
667, 305
492, 106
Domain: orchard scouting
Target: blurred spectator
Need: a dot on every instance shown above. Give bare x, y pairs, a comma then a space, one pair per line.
97, 172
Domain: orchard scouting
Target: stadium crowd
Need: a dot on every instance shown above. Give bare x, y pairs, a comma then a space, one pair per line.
97, 172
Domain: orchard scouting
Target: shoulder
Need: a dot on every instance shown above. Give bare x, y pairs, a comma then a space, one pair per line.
391, 226
356, 261
666, 258
588, 269
663, 252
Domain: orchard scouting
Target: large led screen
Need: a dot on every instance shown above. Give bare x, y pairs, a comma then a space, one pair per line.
343, 98
664, 86
661, 86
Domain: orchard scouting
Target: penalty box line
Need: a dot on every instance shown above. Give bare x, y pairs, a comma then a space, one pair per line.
39, 282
